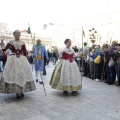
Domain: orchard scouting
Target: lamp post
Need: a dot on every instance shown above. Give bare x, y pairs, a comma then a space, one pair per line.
93, 35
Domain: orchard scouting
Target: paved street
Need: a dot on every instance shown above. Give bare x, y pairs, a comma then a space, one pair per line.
96, 101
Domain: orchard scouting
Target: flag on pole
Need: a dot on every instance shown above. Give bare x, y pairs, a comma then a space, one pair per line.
29, 31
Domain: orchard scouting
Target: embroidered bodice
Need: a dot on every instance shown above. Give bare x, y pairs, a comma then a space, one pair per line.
68, 57
17, 47
67, 54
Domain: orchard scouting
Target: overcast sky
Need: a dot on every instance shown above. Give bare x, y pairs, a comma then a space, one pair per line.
17, 13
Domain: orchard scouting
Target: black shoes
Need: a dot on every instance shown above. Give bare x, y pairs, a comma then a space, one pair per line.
117, 84
18, 95
41, 82
110, 83
65, 92
74, 92
36, 80
22, 95
92, 78
106, 81
44, 73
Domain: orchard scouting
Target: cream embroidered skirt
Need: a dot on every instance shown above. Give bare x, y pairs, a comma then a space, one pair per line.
17, 76
66, 76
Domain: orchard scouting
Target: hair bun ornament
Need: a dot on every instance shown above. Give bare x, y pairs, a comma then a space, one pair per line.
16, 31
65, 42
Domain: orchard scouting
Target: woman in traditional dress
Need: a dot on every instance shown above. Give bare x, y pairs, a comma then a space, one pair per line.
17, 76
66, 75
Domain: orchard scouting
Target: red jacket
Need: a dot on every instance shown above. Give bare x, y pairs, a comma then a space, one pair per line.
4, 56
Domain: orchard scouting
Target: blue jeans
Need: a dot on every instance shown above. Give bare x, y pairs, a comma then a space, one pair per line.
1, 66
79, 64
97, 70
91, 65
117, 69
111, 74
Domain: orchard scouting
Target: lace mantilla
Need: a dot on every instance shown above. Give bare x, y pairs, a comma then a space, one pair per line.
17, 44
68, 51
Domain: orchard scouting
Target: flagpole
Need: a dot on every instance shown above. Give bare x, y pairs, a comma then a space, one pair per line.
111, 38
29, 32
33, 45
82, 54
82, 48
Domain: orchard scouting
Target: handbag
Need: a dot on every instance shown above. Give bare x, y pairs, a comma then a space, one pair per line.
97, 59
111, 62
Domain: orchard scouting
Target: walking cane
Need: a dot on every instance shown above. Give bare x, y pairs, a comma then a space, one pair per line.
41, 78
32, 62
32, 67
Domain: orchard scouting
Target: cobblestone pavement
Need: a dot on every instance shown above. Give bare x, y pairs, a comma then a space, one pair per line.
96, 101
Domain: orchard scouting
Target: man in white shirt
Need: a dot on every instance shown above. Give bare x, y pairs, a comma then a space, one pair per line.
85, 53
91, 62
